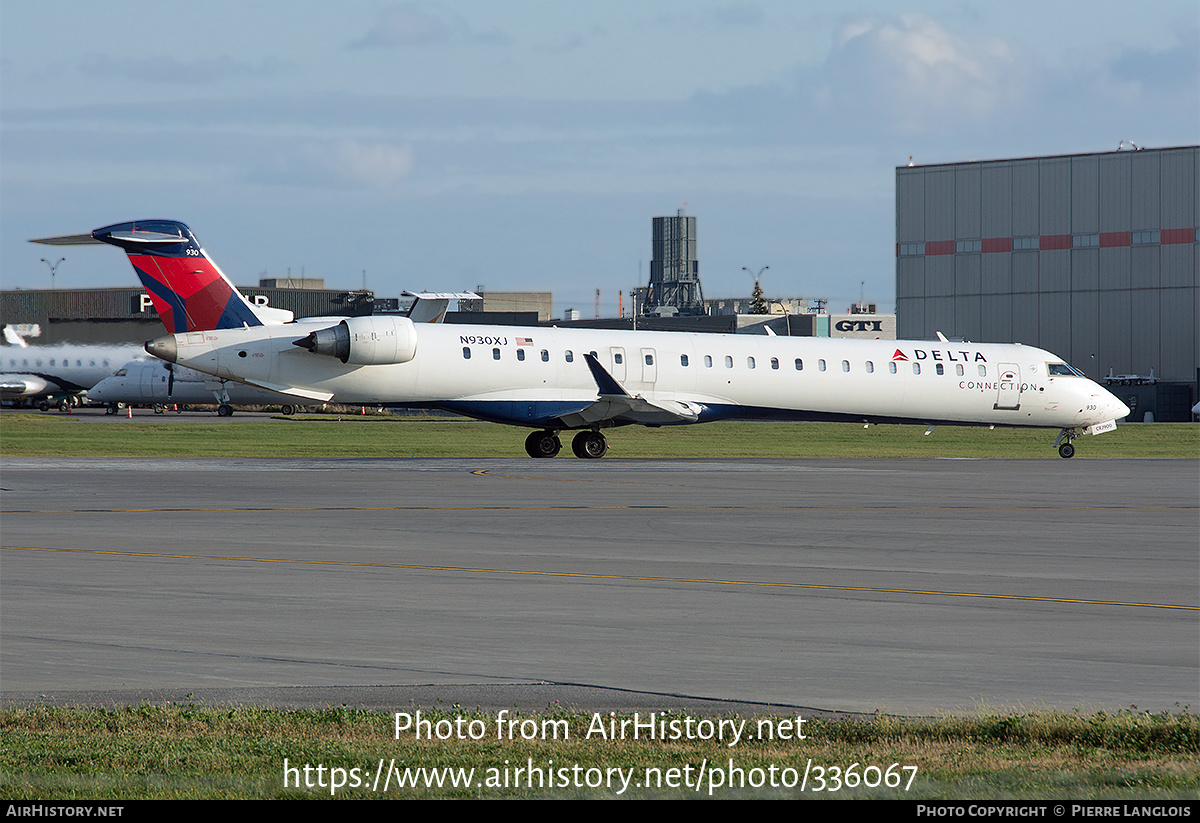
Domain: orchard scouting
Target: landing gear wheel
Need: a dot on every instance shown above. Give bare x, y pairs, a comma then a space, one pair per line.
542, 444
64, 404
1066, 450
287, 409
111, 408
224, 410
589, 445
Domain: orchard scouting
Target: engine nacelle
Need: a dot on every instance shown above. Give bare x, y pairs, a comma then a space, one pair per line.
365, 341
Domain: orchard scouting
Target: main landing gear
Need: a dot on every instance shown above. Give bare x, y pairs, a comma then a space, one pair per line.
1065, 449
588, 445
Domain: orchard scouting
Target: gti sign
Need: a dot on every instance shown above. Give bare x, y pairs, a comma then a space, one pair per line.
873, 326
859, 325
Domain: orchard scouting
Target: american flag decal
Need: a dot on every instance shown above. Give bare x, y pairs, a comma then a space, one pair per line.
524, 341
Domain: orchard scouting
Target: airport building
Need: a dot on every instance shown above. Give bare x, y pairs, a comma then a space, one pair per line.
125, 315
1090, 256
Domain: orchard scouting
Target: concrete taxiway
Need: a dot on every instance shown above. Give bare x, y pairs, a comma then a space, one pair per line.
908, 586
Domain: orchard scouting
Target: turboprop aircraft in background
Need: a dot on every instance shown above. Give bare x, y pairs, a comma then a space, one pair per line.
157, 383
554, 380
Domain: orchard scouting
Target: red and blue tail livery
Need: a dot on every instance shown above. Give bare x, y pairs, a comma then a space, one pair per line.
188, 290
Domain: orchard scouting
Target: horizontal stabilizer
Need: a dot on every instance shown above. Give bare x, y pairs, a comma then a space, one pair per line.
70, 240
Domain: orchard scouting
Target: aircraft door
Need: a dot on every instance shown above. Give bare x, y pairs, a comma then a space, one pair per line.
649, 366
148, 377
1009, 394
617, 355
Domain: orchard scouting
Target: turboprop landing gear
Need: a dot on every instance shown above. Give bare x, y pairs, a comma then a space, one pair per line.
589, 445
542, 444
224, 410
1065, 449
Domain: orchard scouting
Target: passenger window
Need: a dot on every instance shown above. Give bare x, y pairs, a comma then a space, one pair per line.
940, 369
649, 360
821, 364
728, 362
618, 358
708, 360
916, 368
845, 365
775, 362
982, 370
495, 354
892, 367
545, 356
466, 352
520, 354
958, 369
749, 362
799, 364
870, 367
683, 359
570, 358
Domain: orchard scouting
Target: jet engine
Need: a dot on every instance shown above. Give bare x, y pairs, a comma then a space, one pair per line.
365, 341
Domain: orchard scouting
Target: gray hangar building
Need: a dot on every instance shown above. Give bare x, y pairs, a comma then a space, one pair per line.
1090, 256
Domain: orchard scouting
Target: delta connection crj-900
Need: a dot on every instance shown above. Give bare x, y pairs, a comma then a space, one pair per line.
553, 380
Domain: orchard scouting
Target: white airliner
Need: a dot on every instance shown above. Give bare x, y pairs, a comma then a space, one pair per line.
58, 375
553, 380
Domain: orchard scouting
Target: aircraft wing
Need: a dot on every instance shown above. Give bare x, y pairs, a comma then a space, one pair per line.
614, 403
308, 394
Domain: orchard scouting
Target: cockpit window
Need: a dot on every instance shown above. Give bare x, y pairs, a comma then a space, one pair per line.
1062, 370
122, 372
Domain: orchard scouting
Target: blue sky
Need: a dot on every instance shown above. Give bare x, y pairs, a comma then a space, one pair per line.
526, 145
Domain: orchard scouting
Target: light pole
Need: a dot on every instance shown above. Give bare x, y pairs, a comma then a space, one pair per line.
53, 269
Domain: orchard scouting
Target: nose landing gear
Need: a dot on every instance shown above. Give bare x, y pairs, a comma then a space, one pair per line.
1065, 449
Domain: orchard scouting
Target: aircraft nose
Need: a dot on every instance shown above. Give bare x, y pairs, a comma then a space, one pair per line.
1114, 408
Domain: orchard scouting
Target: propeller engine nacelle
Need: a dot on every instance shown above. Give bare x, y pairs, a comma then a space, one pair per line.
365, 341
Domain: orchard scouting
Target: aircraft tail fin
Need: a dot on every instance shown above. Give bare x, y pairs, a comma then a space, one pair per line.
186, 287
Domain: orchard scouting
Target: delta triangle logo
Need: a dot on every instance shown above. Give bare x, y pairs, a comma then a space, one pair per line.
899, 355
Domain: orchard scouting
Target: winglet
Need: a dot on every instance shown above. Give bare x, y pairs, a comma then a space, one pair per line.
605, 382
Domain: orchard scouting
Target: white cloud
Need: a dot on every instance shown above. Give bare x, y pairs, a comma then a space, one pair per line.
414, 24
345, 163
914, 72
